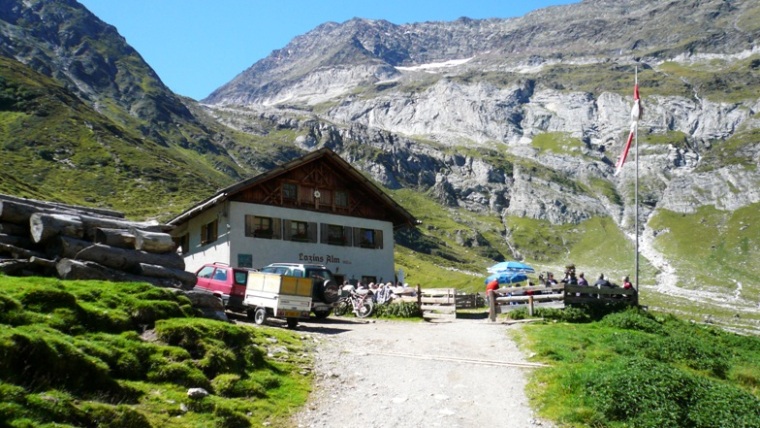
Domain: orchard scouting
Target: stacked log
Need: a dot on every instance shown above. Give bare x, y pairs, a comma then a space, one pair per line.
72, 242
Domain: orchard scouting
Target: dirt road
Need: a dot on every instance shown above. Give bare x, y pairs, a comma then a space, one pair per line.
464, 373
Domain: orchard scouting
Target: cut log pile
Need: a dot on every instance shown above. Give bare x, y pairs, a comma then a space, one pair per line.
72, 242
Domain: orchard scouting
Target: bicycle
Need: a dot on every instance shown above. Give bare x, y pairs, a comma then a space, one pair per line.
360, 303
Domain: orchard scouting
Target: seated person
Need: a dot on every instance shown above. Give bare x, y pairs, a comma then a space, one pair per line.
602, 282
582, 280
628, 286
550, 281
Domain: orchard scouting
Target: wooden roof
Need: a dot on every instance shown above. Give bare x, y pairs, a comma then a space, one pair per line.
322, 171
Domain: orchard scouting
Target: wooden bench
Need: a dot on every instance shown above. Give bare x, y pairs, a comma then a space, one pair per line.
577, 295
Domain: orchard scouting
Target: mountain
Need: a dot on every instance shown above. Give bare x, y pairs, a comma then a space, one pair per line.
524, 118
499, 134
85, 120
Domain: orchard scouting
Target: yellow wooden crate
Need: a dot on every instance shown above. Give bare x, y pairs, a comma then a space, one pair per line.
296, 286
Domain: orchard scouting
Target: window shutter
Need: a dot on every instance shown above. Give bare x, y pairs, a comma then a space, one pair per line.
204, 234
311, 230
276, 228
324, 231
249, 227
379, 239
214, 230
287, 231
348, 234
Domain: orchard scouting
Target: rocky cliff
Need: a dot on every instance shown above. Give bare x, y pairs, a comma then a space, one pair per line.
525, 117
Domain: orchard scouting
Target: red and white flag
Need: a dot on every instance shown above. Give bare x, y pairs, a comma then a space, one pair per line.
635, 116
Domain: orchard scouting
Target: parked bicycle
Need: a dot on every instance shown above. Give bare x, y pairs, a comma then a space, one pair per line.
358, 301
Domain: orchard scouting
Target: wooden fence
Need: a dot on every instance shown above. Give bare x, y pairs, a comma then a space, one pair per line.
576, 295
442, 303
435, 303
506, 299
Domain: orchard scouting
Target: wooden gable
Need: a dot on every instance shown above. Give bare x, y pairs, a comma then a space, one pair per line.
321, 181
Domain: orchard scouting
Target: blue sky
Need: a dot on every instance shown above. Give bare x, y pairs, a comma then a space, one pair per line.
196, 46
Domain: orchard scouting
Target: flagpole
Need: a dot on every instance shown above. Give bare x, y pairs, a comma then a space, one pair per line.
636, 151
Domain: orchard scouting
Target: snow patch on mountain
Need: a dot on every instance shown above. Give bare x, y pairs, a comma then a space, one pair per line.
434, 67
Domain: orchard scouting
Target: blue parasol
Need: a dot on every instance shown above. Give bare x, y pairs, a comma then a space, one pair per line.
507, 277
511, 266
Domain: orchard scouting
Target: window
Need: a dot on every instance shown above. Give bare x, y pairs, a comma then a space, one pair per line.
299, 231
289, 191
220, 274
209, 232
368, 238
262, 227
182, 243
241, 277
341, 199
206, 272
245, 261
334, 234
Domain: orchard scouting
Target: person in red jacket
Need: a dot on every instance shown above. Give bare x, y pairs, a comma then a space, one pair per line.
492, 285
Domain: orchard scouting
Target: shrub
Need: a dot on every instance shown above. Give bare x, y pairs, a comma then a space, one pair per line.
642, 392
224, 384
126, 354
46, 299
249, 388
232, 346
182, 373
693, 352
219, 359
718, 404
42, 358
568, 314
121, 416
398, 310
232, 385
147, 312
649, 393
230, 418
11, 312
633, 319
55, 406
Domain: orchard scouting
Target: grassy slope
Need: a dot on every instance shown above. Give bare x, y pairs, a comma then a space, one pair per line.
71, 355
723, 247
55, 147
595, 246
641, 369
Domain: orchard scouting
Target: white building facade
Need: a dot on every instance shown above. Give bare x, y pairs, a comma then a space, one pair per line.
317, 209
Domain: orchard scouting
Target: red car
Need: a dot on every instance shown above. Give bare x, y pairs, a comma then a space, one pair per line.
224, 281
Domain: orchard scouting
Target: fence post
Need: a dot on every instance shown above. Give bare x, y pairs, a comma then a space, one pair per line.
530, 305
419, 296
492, 305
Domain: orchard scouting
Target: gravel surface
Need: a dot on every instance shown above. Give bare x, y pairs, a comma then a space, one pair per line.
462, 373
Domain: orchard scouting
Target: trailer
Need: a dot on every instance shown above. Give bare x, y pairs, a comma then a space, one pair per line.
279, 296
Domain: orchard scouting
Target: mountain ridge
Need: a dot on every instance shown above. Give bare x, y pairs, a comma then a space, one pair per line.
501, 134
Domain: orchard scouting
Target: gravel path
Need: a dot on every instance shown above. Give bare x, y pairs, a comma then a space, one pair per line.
463, 373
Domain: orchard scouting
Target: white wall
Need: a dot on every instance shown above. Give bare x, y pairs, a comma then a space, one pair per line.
217, 251
352, 262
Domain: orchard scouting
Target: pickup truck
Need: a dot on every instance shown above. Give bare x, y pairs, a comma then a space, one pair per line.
325, 291
269, 294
